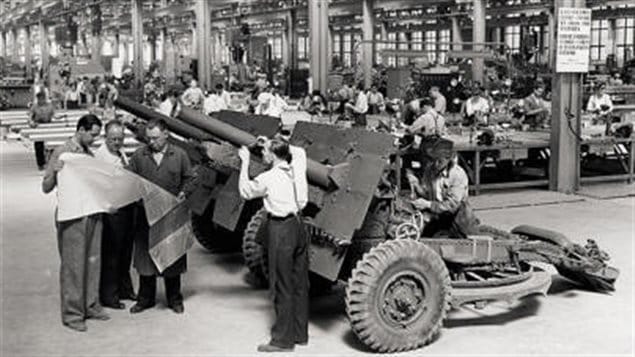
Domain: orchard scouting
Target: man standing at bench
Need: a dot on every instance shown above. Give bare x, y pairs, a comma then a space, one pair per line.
41, 112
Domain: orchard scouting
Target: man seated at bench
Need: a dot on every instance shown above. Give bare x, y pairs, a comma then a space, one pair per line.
442, 192
314, 103
41, 112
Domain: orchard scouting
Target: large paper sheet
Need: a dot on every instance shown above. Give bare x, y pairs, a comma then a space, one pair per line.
87, 186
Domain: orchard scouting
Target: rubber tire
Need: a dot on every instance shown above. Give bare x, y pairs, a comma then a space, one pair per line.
256, 261
253, 252
212, 237
365, 286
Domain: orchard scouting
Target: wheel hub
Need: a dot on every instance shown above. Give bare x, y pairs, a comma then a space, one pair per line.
404, 299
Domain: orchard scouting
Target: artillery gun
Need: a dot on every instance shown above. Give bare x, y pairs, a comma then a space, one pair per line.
399, 285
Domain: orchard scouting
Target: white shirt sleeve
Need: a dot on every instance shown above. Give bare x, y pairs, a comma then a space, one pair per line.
299, 164
361, 106
250, 189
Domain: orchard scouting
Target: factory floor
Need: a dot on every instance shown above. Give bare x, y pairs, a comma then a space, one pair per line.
225, 316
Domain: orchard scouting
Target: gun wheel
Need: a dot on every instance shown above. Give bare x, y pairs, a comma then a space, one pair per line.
398, 296
212, 237
253, 251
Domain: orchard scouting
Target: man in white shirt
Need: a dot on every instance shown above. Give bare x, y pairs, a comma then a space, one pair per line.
193, 97
429, 123
477, 107
600, 103
171, 101
360, 108
287, 241
440, 103
215, 102
276, 106
227, 98
264, 99
375, 101
115, 283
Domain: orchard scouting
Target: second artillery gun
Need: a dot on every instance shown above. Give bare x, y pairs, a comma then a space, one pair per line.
399, 285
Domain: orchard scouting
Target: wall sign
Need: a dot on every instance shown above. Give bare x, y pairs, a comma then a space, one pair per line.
574, 40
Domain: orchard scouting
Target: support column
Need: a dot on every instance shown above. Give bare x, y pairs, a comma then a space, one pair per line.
163, 38
126, 53
152, 42
564, 166
4, 44
137, 38
478, 35
551, 57
457, 37
14, 45
115, 45
169, 61
318, 25
285, 46
612, 45
95, 52
44, 46
28, 49
497, 34
203, 53
293, 39
368, 27
329, 42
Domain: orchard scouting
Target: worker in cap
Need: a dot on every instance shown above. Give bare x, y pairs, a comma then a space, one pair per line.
442, 193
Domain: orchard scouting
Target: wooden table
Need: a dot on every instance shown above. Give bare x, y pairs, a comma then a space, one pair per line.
623, 150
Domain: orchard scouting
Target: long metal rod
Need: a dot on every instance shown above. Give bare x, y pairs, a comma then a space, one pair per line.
317, 173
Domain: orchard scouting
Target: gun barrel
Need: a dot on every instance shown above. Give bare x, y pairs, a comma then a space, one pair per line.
178, 127
317, 173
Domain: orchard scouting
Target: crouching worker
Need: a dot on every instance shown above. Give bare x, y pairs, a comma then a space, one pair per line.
284, 192
442, 193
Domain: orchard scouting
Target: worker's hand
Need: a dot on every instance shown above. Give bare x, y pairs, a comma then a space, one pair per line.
244, 154
181, 196
421, 204
412, 179
58, 166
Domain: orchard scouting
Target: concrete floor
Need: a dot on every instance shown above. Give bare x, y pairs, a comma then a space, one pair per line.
224, 316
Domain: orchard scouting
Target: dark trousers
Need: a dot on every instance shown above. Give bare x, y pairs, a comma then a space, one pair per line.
148, 289
79, 243
289, 280
116, 256
373, 109
359, 119
40, 156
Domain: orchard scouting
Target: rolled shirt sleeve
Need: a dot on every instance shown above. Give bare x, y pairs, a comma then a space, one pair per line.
250, 189
455, 192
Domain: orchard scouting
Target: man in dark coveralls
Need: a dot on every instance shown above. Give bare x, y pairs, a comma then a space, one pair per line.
169, 167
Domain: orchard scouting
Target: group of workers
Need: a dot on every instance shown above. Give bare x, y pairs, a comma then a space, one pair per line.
96, 250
